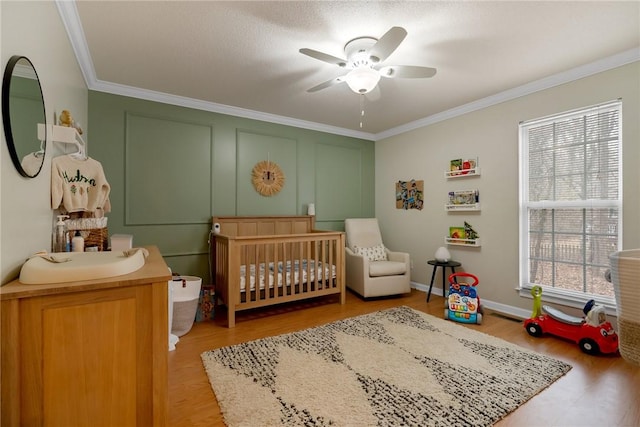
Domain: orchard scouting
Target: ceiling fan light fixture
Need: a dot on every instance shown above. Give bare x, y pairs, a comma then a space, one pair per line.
363, 56
362, 79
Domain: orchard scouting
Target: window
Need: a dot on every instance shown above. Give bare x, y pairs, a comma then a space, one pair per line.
571, 203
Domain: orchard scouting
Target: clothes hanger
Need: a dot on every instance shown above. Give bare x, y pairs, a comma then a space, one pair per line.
40, 152
79, 143
80, 154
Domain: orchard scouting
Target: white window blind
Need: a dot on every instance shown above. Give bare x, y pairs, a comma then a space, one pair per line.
570, 202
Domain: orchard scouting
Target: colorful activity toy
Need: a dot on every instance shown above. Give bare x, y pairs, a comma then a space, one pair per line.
463, 302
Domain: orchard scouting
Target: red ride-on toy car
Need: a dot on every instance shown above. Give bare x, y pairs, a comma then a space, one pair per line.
593, 333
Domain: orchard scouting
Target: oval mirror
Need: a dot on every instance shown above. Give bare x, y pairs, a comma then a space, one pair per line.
22, 111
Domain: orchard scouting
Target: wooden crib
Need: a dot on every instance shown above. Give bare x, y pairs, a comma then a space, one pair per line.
260, 261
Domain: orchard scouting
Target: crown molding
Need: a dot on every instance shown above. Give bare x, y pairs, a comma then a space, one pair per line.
71, 20
150, 95
25, 71
577, 73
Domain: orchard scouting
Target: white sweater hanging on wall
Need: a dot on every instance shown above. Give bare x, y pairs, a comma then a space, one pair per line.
79, 185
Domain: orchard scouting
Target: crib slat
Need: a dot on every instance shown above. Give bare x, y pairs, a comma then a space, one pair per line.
245, 294
315, 284
325, 261
322, 262
330, 265
300, 268
308, 283
259, 274
268, 254
277, 275
286, 272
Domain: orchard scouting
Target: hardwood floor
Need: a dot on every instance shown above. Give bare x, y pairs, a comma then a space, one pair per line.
598, 391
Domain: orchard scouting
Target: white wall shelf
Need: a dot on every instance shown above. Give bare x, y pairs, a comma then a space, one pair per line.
464, 173
462, 207
64, 134
474, 243
467, 200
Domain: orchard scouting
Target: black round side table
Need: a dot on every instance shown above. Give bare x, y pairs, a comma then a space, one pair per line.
443, 265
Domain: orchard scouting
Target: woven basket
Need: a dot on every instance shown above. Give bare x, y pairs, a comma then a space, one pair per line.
93, 230
625, 275
93, 237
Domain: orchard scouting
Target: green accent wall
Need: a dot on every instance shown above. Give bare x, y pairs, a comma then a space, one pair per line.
172, 168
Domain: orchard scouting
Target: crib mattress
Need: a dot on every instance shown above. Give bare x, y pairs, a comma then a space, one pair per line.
285, 274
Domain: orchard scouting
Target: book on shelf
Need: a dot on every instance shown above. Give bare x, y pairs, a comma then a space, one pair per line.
455, 166
464, 235
468, 165
468, 197
456, 234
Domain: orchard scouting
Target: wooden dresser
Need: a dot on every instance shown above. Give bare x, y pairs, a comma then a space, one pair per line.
86, 353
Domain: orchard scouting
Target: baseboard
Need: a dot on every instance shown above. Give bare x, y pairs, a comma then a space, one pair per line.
492, 305
424, 288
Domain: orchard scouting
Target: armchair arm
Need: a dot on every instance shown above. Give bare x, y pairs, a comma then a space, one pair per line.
399, 257
357, 268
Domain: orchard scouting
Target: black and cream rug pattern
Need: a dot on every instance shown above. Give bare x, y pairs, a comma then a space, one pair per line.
396, 367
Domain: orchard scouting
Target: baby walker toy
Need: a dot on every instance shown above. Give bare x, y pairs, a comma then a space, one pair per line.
593, 333
463, 303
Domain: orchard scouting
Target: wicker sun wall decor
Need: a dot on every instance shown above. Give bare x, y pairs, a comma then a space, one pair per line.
267, 178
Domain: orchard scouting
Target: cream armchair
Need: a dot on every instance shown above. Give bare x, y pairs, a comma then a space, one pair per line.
372, 269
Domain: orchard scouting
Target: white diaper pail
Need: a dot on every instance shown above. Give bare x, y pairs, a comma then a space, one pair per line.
173, 339
185, 292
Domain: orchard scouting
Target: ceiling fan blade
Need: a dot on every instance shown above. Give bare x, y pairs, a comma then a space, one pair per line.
325, 57
387, 44
407, 72
326, 84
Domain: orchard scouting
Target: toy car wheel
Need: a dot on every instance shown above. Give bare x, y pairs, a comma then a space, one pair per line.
534, 329
479, 318
589, 346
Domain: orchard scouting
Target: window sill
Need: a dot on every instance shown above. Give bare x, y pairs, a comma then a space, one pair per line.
569, 299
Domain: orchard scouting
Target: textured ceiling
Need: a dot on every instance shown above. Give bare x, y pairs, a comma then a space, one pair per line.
244, 55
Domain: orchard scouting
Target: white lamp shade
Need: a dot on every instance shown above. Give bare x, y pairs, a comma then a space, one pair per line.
442, 254
363, 79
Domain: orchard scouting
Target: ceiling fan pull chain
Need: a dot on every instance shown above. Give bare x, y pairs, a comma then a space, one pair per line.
361, 109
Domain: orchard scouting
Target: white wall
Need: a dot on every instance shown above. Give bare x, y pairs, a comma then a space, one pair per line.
491, 134
34, 29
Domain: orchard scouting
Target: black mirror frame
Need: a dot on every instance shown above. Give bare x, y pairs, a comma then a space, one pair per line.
6, 113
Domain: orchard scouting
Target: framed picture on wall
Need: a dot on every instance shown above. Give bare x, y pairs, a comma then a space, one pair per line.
410, 194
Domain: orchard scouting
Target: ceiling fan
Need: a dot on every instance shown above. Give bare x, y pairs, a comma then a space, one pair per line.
364, 55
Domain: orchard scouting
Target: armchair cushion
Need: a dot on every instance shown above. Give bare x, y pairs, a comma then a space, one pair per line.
386, 268
373, 253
